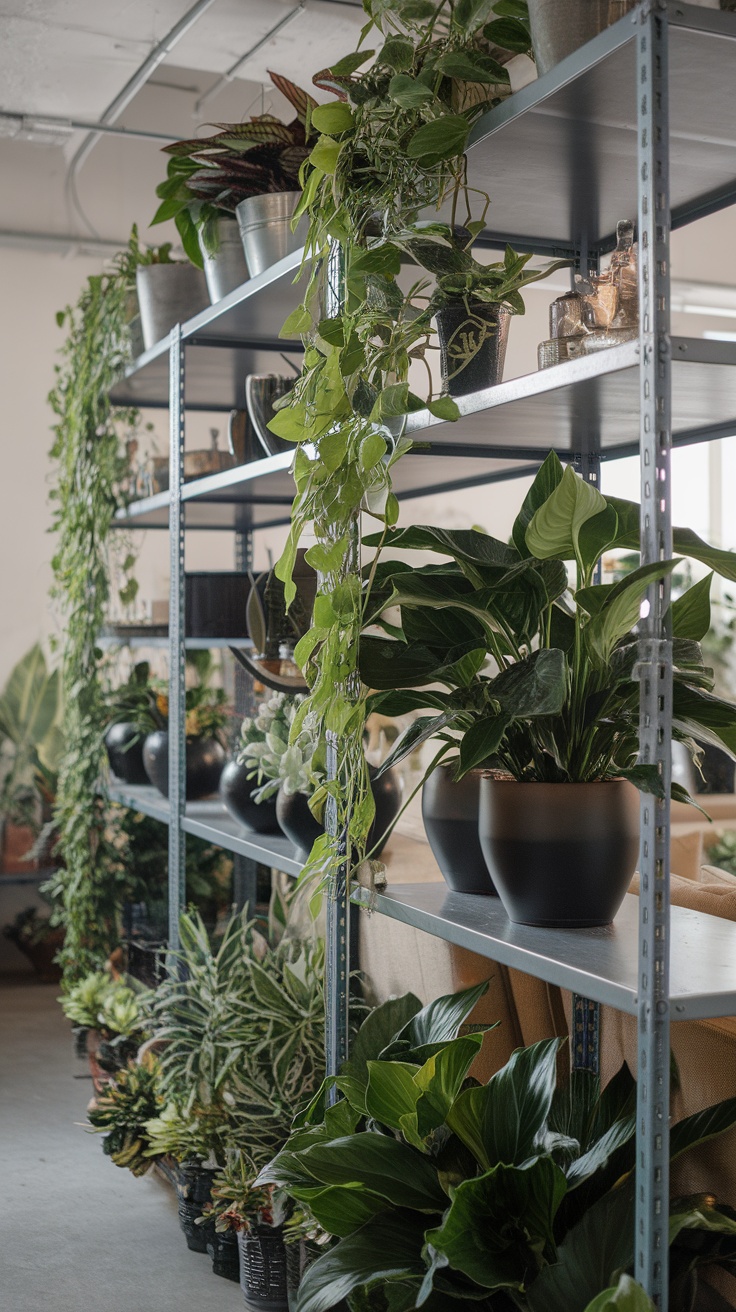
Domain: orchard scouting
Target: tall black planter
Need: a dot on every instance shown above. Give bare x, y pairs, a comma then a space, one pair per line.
263, 1268
205, 762
472, 342
450, 815
223, 1250
560, 855
194, 1191
236, 791
298, 823
124, 747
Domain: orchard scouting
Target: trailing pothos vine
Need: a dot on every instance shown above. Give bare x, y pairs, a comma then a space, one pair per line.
88, 451
390, 149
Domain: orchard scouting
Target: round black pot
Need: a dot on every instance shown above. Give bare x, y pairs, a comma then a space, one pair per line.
124, 747
205, 761
718, 771
223, 1250
193, 1191
263, 1268
472, 346
236, 791
450, 815
298, 823
560, 855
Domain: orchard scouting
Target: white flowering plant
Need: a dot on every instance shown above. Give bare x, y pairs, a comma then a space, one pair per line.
271, 758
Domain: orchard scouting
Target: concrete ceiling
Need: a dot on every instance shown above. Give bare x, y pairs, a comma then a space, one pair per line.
71, 57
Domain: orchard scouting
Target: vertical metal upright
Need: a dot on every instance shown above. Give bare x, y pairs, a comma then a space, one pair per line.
655, 655
245, 870
337, 913
177, 655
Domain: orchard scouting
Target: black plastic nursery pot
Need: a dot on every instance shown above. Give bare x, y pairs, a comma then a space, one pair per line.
450, 814
124, 747
298, 823
472, 341
194, 1191
204, 764
222, 1248
263, 1277
560, 855
236, 791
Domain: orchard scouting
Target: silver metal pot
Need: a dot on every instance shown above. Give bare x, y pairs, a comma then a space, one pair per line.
560, 26
168, 294
261, 391
226, 269
265, 228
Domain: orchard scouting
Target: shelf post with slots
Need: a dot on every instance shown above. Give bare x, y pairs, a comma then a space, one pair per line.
655, 658
177, 655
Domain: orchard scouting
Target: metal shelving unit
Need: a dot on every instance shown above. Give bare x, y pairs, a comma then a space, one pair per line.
563, 159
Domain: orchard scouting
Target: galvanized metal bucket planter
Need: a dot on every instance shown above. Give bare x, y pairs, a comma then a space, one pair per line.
265, 229
261, 393
561, 855
225, 269
168, 294
473, 341
560, 26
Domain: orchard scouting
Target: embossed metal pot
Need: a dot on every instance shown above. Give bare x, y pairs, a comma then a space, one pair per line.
265, 228
473, 341
450, 815
226, 269
204, 765
168, 294
560, 26
560, 855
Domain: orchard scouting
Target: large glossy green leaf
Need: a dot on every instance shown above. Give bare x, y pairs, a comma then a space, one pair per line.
386, 664
340, 1210
702, 1126
546, 480
506, 1119
437, 1023
601, 1152
596, 535
702, 715
626, 1296
384, 1249
593, 1254
621, 608
691, 611
30, 702
439, 1081
684, 541
499, 1223
462, 545
376, 1033
391, 1092
381, 1164
554, 528
442, 138
479, 743
419, 732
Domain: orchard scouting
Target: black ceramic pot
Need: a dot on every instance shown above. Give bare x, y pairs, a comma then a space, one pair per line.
193, 1191
124, 747
298, 823
236, 791
205, 761
560, 855
472, 346
450, 815
223, 1250
718, 771
263, 1268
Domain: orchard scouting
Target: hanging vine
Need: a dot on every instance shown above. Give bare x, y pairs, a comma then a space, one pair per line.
89, 455
390, 151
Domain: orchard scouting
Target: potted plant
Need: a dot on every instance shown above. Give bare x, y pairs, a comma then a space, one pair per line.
131, 705
554, 721
245, 177
205, 719
264, 738
439, 1189
169, 291
252, 1219
120, 1114
31, 742
39, 940
109, 1011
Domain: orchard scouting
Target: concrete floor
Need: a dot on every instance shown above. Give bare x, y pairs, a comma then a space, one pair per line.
77, 1232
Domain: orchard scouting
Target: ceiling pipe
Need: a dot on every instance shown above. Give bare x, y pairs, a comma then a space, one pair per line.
53, 243
228, 76
30, 123
124, 97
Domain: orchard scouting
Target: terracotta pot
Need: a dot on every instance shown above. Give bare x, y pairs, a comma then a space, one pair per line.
560, 855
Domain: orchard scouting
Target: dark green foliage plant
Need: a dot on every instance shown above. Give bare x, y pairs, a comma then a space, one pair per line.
560, 703
515, 1193
122, 1111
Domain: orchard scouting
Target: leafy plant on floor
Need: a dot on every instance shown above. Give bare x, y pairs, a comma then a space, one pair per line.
389, 151
207, 177
113, 1007
122, 1111
560, 702
513, 1193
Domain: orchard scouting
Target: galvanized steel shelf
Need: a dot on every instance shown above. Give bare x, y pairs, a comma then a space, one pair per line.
601, 963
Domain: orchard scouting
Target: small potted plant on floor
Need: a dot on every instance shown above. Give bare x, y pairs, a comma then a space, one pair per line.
109, 1012
264, 737
120, 1114
31, 743
539, 688
246, 178
39, 940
